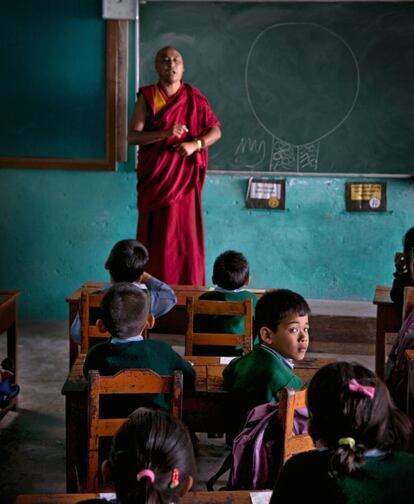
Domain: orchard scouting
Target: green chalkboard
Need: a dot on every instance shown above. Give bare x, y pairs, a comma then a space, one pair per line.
53, 64
309, 88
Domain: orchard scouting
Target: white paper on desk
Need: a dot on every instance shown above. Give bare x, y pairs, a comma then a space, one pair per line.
107, 496
260, 497
226, 360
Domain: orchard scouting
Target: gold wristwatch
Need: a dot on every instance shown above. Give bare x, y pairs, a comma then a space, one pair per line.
200, 144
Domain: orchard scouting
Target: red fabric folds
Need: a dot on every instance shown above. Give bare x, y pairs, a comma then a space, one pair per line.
164, 176
169, 189
174, 237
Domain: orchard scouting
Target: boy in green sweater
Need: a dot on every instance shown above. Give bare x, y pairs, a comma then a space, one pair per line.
230, 275
125, 314
281, 322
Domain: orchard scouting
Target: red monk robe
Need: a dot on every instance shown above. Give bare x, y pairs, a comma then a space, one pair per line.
170, 221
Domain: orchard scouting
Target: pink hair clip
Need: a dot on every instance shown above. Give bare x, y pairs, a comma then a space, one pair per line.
146, 473
175, 481
355, 386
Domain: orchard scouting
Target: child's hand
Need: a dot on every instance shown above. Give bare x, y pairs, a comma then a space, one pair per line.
400, 264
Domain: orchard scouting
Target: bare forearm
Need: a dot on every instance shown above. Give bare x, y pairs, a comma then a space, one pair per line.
211, 137
147, 137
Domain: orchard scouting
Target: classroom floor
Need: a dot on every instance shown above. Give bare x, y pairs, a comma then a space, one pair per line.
32, 440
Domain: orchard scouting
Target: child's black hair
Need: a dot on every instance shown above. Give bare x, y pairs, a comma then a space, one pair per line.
127, 261
154, 443
275, 305
231, 270
348, 421
124, 310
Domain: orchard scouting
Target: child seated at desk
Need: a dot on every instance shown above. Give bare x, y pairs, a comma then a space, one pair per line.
281, 321
151, 460
126, 263
404, 269
125, 315
360, 437
230, 275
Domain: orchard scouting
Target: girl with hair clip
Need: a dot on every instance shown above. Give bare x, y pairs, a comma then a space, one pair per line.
404, 268
360, 438
151, 459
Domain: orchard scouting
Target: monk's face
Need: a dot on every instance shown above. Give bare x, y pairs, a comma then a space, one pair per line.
169, 66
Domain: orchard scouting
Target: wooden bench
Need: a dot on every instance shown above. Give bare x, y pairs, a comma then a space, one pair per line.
128, 381
221, 497
8, 324
291, 400
197, 307
173, 322
389, 319
206, 409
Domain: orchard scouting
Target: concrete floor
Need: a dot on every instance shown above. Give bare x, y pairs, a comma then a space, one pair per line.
32, 440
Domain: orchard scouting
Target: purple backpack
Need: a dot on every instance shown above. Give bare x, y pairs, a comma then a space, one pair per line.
256, 452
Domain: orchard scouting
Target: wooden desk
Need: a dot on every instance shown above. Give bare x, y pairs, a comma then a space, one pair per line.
173, 322
234, 497
389, 319
207, 409
8, 324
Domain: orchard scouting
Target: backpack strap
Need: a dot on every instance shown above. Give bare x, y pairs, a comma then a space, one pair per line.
225, 466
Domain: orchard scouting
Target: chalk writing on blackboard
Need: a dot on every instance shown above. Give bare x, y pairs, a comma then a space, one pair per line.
250, 152
298, 93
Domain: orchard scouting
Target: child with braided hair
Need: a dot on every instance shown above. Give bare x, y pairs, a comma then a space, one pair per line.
151, 459
360, 437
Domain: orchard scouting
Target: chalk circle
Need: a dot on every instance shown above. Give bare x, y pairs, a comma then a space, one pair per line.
302, 81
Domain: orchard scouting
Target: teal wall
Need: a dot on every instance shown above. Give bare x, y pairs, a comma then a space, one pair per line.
57, 228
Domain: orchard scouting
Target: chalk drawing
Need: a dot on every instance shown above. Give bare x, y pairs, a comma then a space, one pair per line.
250, 152
288, 157
298, 93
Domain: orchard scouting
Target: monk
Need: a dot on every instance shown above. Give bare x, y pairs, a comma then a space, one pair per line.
173, 124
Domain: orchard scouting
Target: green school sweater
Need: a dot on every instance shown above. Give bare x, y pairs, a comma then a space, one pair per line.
385, 479
222, 323
109, 358
259, 375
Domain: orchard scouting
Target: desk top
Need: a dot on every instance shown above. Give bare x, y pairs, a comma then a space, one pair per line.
382, 295
239, 497
8, 309
6, 295
208, 370
181, 291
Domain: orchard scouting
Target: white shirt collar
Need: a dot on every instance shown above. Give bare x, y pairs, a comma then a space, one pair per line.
288, 362
220, 289
117, 341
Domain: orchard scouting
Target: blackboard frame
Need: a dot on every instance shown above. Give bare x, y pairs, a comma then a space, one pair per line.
114, 35
349, 169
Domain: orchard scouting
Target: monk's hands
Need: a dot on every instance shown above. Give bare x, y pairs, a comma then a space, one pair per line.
178, 130
186, 148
